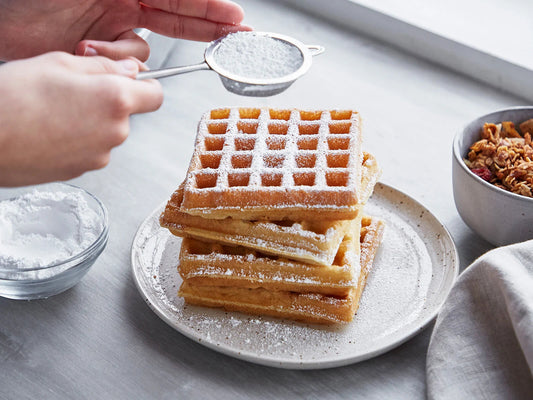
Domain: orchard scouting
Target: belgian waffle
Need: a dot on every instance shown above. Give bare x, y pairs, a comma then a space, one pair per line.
213, 264
252, 163
307, 307
311, 241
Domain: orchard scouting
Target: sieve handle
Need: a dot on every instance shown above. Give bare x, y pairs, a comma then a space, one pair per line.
162, 73
315, 49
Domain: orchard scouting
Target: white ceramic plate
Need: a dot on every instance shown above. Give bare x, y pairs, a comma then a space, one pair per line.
413, 272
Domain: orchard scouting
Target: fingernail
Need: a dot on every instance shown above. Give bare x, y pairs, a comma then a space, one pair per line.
128, 66
89, 51
144, 67
235, 28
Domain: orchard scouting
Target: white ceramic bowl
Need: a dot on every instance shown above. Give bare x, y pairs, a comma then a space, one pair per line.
52, 279
499, 216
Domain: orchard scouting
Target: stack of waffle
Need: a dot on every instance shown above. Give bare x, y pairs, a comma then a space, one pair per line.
271, 213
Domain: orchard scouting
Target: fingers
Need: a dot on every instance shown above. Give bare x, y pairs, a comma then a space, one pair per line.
98, 65
119, 97
142, 96
124, 96
222, 11
128, 67
129, 44
186, 27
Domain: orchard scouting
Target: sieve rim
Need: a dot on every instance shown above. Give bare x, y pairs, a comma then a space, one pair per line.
286, 79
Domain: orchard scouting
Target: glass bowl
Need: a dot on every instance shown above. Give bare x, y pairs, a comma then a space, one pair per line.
41, 282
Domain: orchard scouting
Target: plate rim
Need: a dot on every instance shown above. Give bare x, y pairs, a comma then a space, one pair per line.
319, 364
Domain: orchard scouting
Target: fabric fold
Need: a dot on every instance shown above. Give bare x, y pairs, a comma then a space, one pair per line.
482, 343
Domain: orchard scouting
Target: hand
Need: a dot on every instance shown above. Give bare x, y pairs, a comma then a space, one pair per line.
105, 27
60, 115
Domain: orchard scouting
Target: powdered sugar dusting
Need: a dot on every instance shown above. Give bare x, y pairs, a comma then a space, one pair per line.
411, 276
238, 162
258, 276
249, 55
307, 149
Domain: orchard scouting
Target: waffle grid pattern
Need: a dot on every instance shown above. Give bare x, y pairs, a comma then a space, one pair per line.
277, 157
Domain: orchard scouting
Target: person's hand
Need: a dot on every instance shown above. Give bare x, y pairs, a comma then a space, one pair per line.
105, 27
60, 115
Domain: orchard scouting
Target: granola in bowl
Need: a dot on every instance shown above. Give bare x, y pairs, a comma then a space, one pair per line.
504, 156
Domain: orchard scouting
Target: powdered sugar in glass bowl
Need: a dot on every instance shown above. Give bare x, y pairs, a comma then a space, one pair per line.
50, 235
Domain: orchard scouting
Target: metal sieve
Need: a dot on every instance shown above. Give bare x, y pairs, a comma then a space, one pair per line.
244, 86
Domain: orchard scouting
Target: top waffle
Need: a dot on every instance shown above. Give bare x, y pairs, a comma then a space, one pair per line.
254, 163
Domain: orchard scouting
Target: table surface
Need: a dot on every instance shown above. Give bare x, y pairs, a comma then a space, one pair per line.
100, 339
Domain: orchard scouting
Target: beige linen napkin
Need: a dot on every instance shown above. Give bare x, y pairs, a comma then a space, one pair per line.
482, 343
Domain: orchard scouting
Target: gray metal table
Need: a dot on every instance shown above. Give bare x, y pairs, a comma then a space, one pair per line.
100, 340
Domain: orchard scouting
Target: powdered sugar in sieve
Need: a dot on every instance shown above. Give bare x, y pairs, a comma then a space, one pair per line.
251, 63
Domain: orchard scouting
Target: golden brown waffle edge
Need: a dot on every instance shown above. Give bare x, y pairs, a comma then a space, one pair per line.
265, 163
305, 307
314, 242
213, 264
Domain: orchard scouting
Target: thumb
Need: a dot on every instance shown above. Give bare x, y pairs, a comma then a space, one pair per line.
127, 44
102, 65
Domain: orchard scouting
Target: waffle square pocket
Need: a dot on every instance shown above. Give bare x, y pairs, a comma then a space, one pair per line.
253, 163
271, 214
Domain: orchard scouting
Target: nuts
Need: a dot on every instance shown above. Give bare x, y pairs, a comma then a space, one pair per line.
504, 157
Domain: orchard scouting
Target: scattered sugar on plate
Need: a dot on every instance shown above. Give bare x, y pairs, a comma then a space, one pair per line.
401, 290
253, 56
